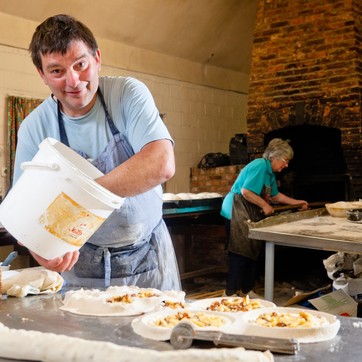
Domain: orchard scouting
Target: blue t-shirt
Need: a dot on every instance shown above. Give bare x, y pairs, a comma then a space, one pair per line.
258, 177
130, 105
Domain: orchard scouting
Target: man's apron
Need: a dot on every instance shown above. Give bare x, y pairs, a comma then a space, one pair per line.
133, 246
239, 242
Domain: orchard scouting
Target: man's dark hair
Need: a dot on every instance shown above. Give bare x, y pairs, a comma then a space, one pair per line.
56, 34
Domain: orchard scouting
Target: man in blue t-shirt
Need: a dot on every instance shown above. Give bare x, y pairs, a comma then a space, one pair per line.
114, 123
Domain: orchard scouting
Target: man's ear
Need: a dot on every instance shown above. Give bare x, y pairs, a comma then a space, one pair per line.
98, 59
42, 75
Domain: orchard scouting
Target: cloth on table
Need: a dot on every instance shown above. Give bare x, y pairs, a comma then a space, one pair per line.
31, 281
348, 265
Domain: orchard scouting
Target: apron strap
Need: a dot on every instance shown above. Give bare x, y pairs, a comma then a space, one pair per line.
63, 133
111, 124
107, 267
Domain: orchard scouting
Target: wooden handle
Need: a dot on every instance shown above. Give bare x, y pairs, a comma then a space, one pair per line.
298, 206
287, 207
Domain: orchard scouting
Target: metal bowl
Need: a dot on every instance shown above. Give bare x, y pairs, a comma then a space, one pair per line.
340, 208
354, 214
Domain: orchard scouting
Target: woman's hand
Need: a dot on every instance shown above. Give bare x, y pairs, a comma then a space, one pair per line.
283, 199
268, 209
258, 201
61, 264
304, 203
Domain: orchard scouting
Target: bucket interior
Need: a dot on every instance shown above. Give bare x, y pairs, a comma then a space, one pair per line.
73, 158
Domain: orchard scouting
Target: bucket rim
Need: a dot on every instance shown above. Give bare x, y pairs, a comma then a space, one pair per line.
50, 142
114, 198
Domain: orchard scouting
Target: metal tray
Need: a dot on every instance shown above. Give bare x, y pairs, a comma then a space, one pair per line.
215, 202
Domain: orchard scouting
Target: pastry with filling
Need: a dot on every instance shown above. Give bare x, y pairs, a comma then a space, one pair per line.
200, 319
172, 304
240, 304
291, 320
129, 298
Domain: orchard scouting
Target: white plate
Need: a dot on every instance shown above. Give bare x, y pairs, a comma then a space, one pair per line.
145, 325
203, 304
303, 335
94, 301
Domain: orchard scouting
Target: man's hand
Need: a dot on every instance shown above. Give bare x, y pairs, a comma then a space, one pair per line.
61, 264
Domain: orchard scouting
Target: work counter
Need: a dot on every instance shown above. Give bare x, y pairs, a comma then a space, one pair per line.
312, 229
42, 313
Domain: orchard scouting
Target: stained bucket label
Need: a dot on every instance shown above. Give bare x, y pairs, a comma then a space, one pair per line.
69, 221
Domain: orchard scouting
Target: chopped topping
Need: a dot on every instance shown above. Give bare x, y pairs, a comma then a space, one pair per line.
241, 304
173, 305
129, 298
290, 320
198, 318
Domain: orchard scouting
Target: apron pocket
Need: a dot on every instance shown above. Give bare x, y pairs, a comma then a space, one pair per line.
125, 262
141, 260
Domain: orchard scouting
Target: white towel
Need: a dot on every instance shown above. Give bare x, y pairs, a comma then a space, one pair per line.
31, 281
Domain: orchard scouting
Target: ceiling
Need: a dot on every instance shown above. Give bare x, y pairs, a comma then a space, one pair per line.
216, 32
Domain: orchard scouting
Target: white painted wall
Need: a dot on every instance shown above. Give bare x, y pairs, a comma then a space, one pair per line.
200, 112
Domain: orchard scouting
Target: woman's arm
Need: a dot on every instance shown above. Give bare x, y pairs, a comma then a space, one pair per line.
257, 200
284, 199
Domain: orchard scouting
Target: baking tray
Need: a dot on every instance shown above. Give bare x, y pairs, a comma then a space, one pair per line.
177, 204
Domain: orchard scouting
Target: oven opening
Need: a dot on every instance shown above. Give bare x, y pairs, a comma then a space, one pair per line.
318, 171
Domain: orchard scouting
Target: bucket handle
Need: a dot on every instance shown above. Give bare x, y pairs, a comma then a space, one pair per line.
51, 166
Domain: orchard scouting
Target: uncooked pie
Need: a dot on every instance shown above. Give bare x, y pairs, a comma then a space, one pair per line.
231, 304
130, 298
200, 319
302, 319
304, 325
159, 325
242, 304
118, 301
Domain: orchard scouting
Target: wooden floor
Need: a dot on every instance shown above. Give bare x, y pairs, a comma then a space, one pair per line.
205, 294
302, 277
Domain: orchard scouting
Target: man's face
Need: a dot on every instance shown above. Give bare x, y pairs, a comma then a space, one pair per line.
72, 77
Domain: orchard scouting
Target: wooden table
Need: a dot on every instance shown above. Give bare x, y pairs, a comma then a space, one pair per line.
312, 229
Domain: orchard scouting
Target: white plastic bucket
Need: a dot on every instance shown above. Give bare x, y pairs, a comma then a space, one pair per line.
56, 206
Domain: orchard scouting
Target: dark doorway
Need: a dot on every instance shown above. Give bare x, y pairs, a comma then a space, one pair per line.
318, 171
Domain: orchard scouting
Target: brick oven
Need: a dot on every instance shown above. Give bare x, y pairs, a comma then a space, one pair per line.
305, 85
318, 171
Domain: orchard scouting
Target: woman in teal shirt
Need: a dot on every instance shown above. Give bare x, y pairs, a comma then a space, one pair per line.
250, 198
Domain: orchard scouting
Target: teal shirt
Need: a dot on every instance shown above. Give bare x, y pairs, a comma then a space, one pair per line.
258, 177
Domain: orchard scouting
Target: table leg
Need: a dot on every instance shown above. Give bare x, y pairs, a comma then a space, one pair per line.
269, 271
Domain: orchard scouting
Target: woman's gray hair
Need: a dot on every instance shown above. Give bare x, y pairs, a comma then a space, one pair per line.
279, 149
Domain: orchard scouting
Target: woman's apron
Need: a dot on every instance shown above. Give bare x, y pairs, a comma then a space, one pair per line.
133, 246
239, 242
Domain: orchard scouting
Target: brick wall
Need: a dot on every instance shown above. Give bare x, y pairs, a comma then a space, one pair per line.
217, 179
307, 59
